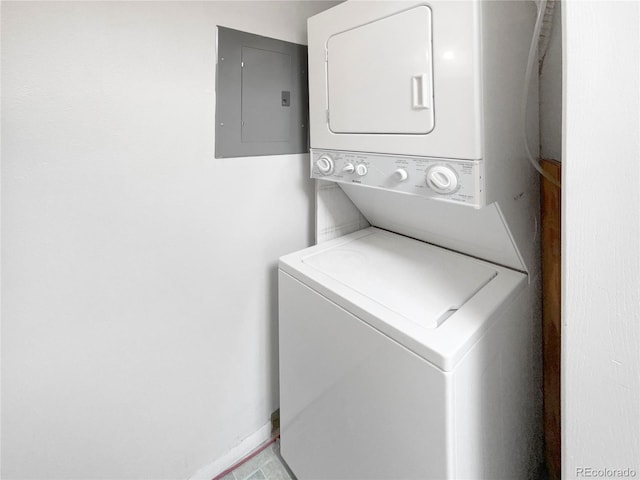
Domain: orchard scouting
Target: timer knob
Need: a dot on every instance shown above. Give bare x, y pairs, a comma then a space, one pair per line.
400, 175
325, 165
361, 170
348, 168
442, 179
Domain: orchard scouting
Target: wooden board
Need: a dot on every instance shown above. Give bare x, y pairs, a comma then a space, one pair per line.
551, 314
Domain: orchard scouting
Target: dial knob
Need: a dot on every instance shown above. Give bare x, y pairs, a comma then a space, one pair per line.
442, 179
325, 165
400, 175
361, 170
348, 168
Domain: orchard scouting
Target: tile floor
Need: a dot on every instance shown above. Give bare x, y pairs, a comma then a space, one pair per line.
267, 465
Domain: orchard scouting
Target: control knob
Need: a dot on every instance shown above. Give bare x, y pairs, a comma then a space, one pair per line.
442, 179
361, 170
325, 165
400, 175
348, 168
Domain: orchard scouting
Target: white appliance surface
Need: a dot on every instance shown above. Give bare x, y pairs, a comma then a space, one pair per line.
404, 288
452, 181
352, 78
479, 233
368, 90
422, 283
401, 359
354, 404
397, 77
366, 393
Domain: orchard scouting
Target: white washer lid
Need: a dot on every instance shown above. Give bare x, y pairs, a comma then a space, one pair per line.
422, 283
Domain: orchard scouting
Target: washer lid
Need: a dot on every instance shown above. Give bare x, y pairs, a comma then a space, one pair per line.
422, 283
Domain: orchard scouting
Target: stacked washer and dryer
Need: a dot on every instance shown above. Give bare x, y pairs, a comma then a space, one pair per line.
410, 349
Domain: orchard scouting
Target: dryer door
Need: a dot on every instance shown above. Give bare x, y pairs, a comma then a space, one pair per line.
397, 77
380, 76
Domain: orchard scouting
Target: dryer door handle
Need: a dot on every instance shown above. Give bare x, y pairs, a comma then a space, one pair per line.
420, 91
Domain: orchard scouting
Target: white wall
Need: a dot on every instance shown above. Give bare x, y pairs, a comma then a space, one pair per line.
601, 244
139, 333
550, 90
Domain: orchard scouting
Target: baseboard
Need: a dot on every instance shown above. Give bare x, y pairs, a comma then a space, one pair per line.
234, 455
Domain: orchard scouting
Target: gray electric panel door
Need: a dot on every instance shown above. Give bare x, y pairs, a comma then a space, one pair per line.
262, 98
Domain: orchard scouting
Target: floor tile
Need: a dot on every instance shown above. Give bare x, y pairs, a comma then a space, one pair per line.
266, 465
257, 475
274, 470
244, 471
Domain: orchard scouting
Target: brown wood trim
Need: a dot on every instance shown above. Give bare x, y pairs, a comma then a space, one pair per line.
551, 320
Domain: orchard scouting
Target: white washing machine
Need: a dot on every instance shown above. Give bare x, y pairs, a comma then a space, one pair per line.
403, 360
411, 349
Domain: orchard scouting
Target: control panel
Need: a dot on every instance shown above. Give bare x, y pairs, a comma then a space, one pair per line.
457, 181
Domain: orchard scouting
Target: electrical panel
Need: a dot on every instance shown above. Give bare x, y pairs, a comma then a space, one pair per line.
262, 99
